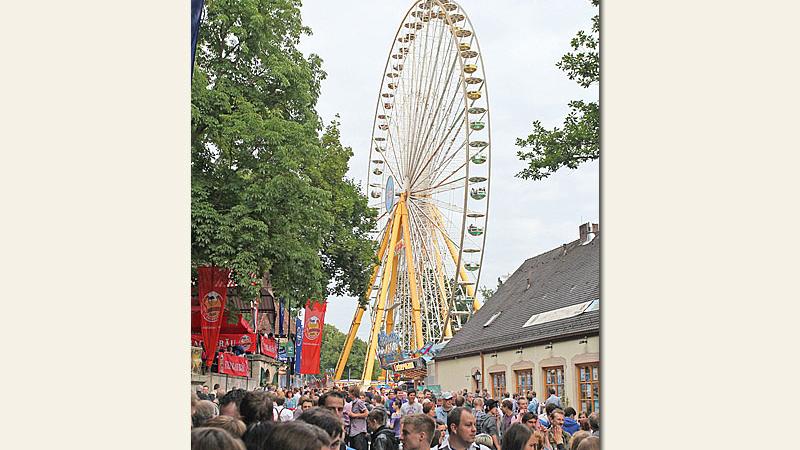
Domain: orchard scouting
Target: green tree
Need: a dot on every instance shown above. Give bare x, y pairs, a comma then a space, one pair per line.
578, 140
268, 186
332, 344
487, 293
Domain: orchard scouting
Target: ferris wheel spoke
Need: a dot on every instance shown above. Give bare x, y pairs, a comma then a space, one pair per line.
441, 188
442, 157
438, 142
436, 223
430, 123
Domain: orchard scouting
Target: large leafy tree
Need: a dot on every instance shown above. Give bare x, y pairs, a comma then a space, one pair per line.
268, 186
578, 140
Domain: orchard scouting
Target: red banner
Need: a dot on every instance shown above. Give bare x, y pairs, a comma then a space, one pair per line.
233, 365
212, 293
312, 337
269, 347
246, 340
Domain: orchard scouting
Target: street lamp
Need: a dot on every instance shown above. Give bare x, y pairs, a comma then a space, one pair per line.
477, 376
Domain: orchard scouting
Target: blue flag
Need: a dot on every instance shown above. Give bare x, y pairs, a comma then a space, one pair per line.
280, 319
298, 345
197, 13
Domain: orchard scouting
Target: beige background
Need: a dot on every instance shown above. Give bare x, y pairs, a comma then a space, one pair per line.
699, 219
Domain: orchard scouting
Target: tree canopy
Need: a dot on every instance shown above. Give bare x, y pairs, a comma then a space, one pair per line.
578, 140
269, 191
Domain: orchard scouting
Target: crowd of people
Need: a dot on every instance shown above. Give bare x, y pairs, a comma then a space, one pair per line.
340, 418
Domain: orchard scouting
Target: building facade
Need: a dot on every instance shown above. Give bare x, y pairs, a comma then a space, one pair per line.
539, 330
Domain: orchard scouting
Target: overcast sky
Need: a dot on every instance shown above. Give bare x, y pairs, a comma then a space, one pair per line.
521, 42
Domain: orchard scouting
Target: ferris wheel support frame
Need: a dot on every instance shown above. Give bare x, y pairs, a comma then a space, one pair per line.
419, 341
380, 306
356, 323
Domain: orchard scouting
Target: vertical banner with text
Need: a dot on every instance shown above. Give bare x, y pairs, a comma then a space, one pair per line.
312, 337
212, 293
298, 345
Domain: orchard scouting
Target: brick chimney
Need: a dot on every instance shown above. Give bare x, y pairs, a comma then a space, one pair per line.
588, 231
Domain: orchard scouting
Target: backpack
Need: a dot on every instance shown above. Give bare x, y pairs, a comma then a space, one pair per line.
394, 441
482, 427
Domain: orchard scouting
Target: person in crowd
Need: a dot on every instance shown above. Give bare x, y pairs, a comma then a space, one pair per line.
419, 432
296, 435
200, 394
412, 406
447, 406
459, 400
487, 423
429, 409
334, 401
377, 402
255, 407
440, 436
303, 404
522, 408
283, 413
205, 438
357, 435
461, 431
530, 420
556, 435
194, 399
518, 437
553, 398
348, 405
257, 433
594, 423
329, 422
590, 443
367, 401
506, 416
577, 438
396, 417
390, 397
381, 438
543, 418
229, 403
491, 424
203, 411
570, 424
470, 398
230, 424
402, 395
584, 423
533, 403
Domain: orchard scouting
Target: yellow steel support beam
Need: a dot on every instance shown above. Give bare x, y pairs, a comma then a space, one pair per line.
369, 359
416, 310
351, 335
448, 330
391, 299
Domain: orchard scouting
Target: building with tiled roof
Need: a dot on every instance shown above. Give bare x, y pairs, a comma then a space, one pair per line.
540, 329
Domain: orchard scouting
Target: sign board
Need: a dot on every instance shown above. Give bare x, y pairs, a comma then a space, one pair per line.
403, 366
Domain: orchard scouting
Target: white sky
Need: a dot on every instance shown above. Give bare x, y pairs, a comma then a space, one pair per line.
521, 42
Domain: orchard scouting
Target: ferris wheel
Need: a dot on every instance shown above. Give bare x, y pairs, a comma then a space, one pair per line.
429, 173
